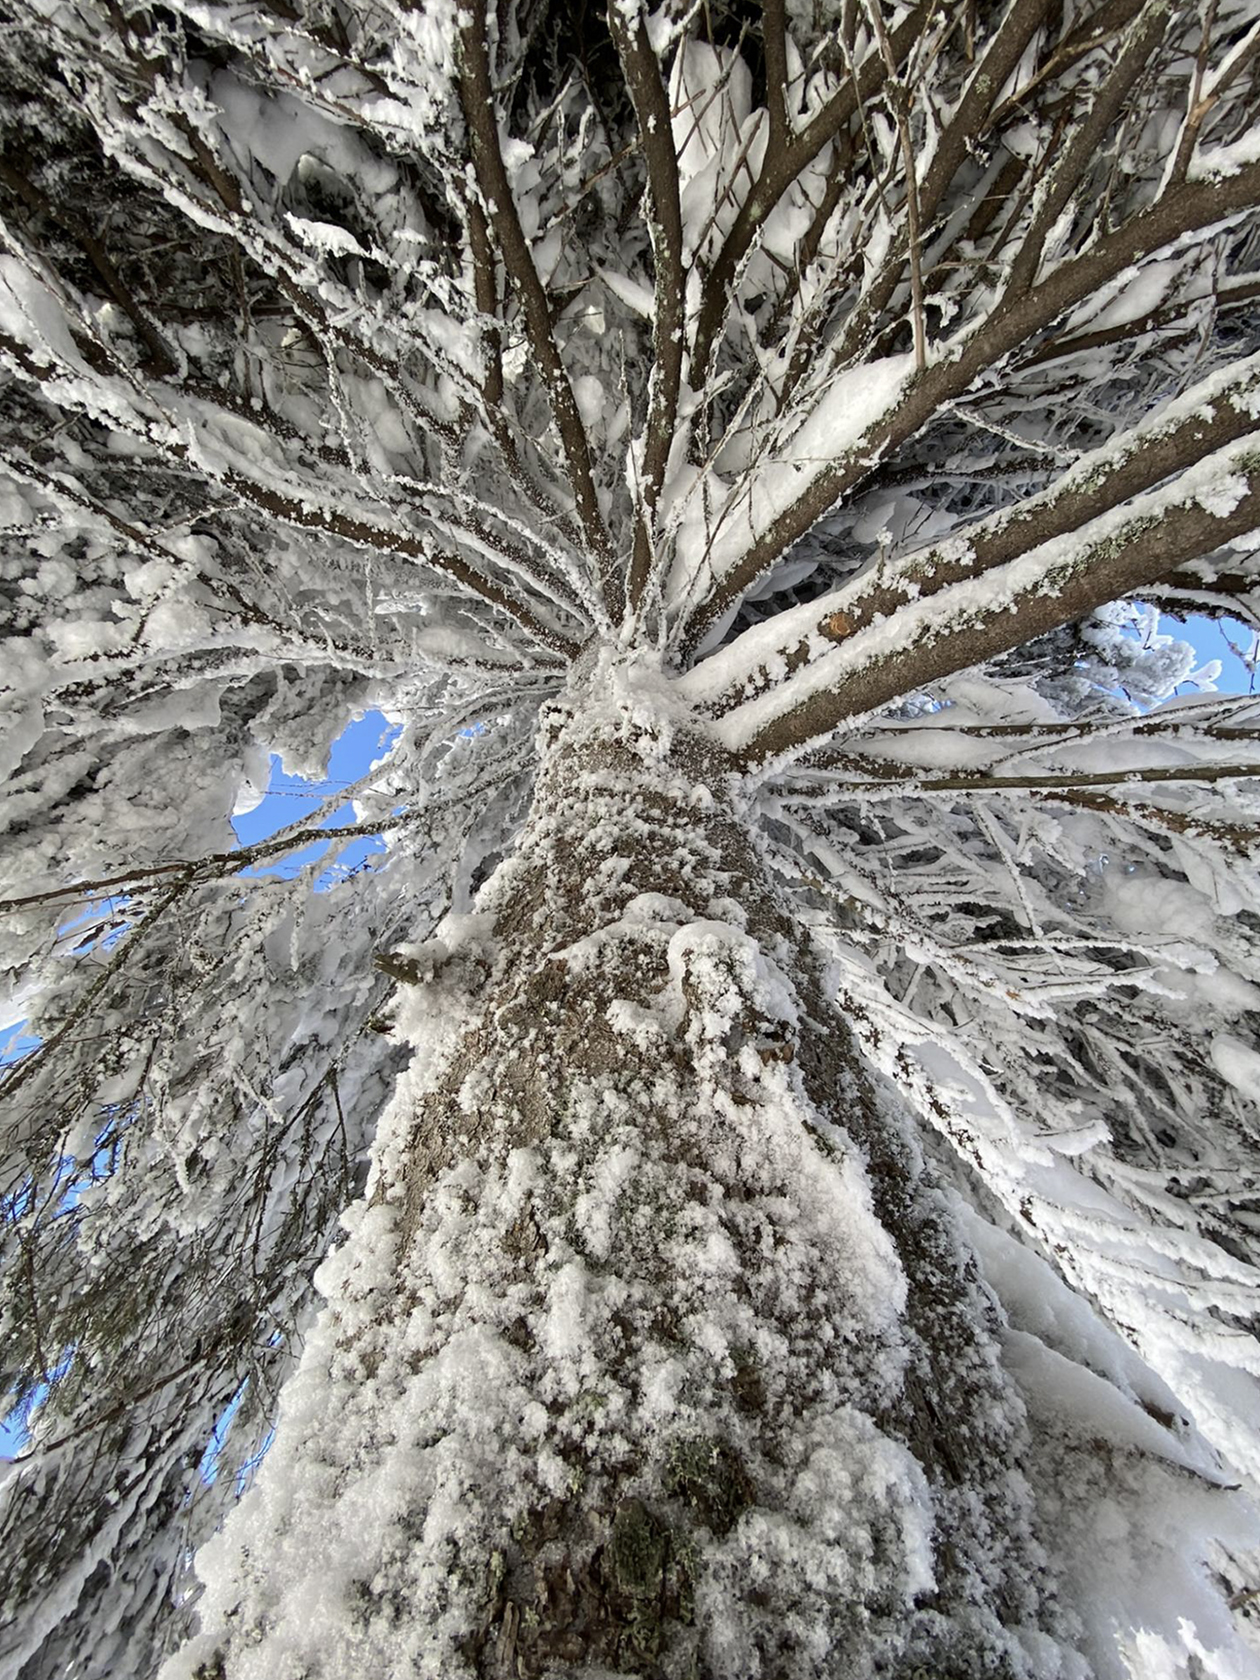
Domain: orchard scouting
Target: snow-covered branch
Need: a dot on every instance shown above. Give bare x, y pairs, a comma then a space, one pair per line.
898, 611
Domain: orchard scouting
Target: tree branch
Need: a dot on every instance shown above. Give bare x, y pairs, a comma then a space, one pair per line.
778, 171
905, 779
161, 358
1091, 32
652, 114
296, 511
1212, 415
485, 293
774, 46
1235, 294
481, 116
996, 67
215, 865
1053, 584
1075, 157
899, 101
12, 1080
365, 535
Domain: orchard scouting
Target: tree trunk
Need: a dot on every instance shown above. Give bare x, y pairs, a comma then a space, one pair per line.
652, 1349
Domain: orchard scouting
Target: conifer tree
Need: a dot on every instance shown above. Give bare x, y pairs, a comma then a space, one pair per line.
760, 1181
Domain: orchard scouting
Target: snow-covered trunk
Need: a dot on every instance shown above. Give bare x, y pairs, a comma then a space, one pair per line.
652, 1349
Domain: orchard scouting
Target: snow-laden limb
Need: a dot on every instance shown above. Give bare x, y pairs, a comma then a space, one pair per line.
1042, 973
1216, 411
664, 168
838, 663
1166, 1288
764, 531
251, 462
495, 188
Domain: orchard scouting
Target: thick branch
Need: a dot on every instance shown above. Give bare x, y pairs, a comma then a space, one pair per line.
774, 45
1039, 737
1057, 583
1212, 415
486, 294
1214, 594
1235, 837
